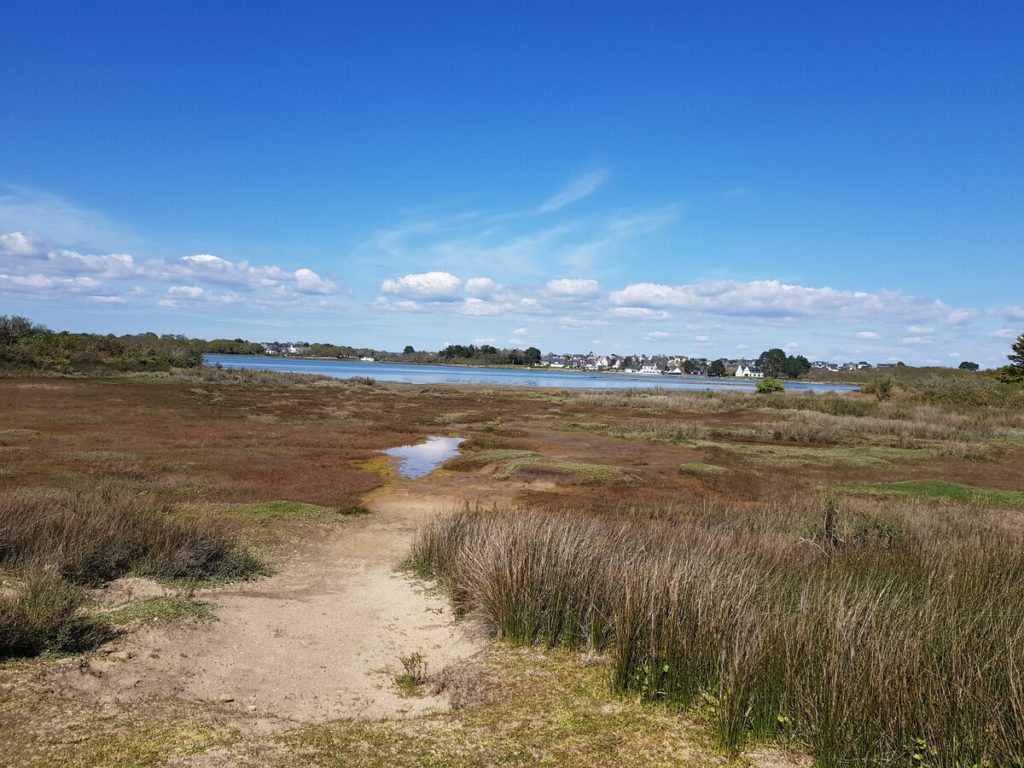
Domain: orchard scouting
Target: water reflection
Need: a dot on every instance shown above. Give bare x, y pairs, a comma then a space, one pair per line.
423, 458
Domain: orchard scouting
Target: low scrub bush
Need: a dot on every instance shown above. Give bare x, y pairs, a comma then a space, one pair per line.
906, 629
92, 535
43, 614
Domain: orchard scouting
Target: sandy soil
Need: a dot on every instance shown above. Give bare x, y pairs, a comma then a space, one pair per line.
319, 640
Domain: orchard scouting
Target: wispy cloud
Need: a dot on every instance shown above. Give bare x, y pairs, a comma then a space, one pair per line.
578, 188
29, 265
33, 211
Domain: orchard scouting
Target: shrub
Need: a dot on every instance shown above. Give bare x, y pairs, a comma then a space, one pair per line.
43, 615
880, 388
768, 385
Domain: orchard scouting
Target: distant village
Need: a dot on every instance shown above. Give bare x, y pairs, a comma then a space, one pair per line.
681, 364
677, 365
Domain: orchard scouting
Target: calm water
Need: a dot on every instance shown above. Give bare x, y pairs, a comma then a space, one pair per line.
450, 374
423, 458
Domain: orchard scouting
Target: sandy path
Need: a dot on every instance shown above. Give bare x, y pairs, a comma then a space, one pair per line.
319, 640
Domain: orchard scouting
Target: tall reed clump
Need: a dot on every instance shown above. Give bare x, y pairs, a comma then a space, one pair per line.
94, 534
899, 636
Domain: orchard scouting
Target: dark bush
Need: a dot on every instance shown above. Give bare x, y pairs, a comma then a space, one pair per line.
44, 615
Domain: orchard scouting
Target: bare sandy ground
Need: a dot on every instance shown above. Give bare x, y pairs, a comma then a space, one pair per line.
322, 639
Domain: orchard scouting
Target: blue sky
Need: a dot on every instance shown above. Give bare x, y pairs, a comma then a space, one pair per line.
706, 179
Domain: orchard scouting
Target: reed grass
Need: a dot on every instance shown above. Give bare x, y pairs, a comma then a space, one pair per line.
94, 534
901, 634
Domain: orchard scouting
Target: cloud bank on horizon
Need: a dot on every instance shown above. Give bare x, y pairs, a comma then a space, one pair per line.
520, 278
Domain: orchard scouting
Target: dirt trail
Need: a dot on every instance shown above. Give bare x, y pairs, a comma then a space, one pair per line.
319, 640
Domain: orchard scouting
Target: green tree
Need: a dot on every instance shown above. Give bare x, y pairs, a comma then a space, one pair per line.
1014, 373
797, 366
14, 328
531, 356
408, 350
717, 368
772, 363
968, 366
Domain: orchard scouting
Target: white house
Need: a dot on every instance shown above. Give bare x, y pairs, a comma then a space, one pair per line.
744, 372
650, 370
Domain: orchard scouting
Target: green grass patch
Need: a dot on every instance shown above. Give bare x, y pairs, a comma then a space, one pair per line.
946, 491
700, 469
801, 456
510, 462
164, 608
272, 511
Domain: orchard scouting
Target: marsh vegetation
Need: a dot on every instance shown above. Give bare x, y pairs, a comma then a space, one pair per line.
897, 633
833, 575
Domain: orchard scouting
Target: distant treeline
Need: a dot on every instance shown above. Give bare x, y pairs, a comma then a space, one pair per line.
488, 355
25, 345
29, 346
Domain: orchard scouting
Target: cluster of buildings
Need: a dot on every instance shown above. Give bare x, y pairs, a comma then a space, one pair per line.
680, 364
649, 364
633, 364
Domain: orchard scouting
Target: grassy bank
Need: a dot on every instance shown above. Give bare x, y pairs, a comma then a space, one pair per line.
894, 638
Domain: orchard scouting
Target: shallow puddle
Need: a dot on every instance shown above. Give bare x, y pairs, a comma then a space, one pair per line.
419, 460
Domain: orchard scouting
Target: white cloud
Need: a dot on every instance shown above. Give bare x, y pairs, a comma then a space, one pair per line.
480, 307
18, 244
917, 341
308, 281
427, 286
46, 283
214, 269
919, 330
1004, 333
575, 289
578, 188
1014, 312
28, 264
484, 340
791, 347
775, 299
639, 312
519, 332
868, 335
656, 336
702, 339
960, 316
481, 287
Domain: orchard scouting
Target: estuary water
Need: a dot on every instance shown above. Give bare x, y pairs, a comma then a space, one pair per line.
509, 377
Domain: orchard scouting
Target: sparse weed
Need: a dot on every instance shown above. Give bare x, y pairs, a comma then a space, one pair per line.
414, 674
